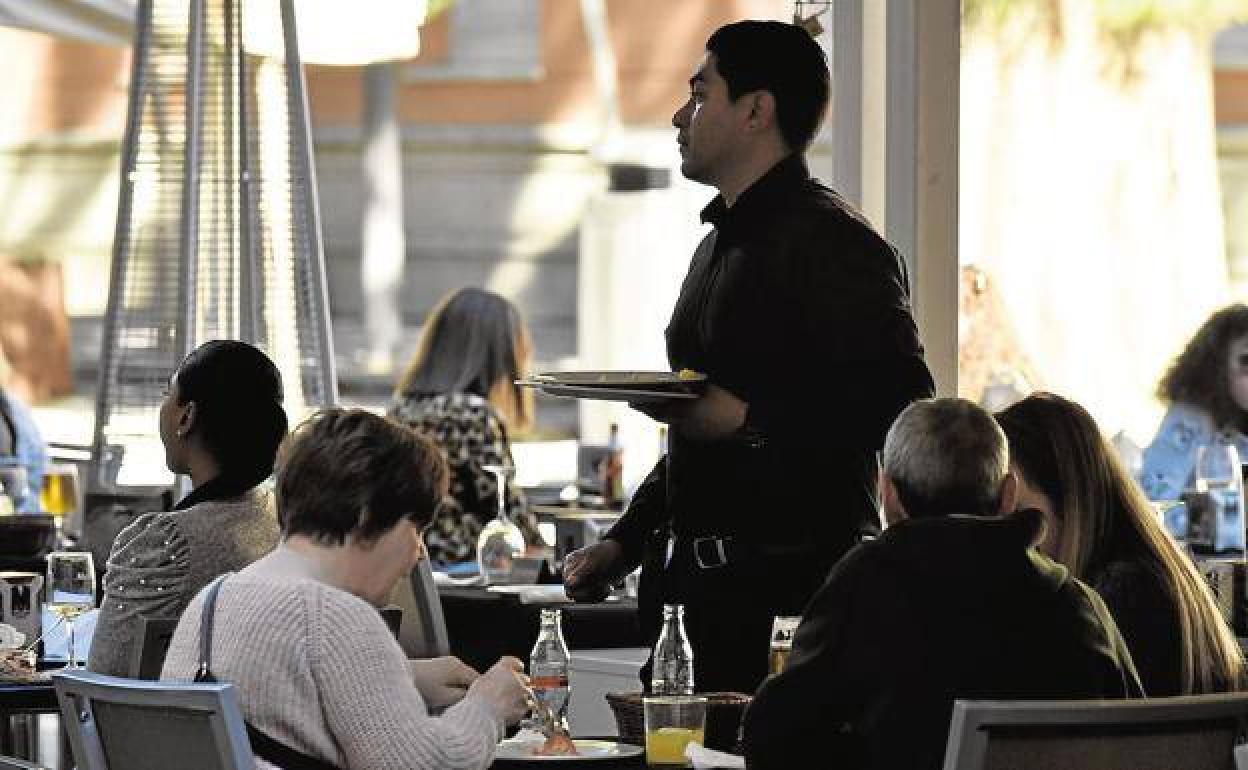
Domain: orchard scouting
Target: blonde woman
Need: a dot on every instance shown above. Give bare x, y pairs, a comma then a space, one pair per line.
1102, 527
460, 390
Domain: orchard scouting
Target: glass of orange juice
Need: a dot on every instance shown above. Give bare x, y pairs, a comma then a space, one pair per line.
672, 723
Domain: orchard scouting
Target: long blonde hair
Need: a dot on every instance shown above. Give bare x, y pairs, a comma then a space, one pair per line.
474, 341
1103, 513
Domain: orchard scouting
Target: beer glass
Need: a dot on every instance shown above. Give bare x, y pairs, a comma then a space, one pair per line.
60, 491
782, 630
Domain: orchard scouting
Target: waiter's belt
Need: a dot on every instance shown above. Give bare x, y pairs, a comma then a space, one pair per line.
713, 551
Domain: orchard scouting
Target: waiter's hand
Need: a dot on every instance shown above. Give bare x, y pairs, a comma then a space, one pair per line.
717, 414
589, 572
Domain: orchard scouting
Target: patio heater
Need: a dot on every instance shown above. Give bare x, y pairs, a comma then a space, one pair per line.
218, 230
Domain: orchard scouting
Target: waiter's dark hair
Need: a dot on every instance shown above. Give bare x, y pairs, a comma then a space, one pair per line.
237, 391
782, 59
946, 456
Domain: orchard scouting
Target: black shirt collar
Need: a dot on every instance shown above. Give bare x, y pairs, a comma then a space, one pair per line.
223, 487
768, 190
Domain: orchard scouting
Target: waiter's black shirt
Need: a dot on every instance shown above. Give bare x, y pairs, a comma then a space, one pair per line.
797, 306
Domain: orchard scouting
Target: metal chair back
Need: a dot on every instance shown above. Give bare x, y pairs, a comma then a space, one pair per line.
1192, 732
148, 655
126, 724
423, 631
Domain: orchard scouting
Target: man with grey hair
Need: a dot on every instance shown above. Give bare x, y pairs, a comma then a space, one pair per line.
952, 601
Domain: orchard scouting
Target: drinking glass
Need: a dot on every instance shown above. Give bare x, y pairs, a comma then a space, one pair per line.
782, 630
70, 589
1218, 478
60, 491
500, 542
672, 723
15, 480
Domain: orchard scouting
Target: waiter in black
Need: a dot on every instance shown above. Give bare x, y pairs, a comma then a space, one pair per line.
799, 314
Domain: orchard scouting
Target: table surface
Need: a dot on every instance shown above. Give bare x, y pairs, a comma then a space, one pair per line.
35, 697
484, 626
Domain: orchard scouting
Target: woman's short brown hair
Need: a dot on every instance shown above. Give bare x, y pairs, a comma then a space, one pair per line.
350, 472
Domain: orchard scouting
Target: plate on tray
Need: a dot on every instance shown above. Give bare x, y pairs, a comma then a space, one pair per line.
589, 750
603, 393
685, 380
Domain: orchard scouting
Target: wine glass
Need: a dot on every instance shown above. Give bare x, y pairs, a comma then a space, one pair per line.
70, 590
1218, 477
500, 542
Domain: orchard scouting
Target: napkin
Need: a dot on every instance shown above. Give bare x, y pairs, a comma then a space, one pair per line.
706, 758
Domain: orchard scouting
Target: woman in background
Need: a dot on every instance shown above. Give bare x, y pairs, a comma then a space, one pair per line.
221, 422
1206, 391
460, 390
1101, 526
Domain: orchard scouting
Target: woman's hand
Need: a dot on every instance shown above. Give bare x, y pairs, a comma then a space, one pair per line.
442, 681
504, 686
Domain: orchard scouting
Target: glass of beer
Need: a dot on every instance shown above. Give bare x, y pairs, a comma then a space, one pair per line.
782, 630
60, 491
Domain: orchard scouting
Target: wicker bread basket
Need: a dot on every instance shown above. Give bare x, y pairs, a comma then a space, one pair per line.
723, 717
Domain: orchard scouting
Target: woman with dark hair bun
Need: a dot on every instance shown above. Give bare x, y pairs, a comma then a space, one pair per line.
221, 422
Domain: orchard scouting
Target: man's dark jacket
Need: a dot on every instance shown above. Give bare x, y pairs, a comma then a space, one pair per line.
798, 307
936, 609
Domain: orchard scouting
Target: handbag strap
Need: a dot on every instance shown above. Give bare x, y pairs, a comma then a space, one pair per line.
204, 672
262, 745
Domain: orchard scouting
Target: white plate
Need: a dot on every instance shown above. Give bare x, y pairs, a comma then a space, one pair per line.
617, 378
598, 393
534, 594
589, 750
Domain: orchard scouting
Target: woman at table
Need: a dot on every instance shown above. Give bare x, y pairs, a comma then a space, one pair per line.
221, 421
298, 633
460, 390
1206, 391
1101, 526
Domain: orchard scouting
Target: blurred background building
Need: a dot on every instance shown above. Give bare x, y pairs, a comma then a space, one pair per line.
1099, 152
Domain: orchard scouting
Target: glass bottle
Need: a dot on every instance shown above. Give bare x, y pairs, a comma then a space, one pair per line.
673, 657
613, 470
548, 666
501, 542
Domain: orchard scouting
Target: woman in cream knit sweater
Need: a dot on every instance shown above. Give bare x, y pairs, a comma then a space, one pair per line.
298, 634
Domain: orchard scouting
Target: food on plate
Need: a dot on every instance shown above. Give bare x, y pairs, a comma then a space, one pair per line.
557, 745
